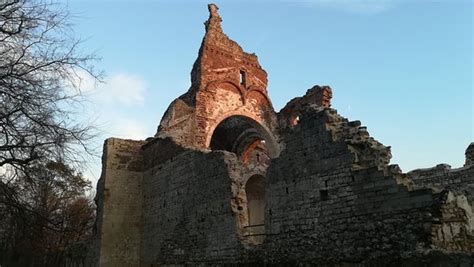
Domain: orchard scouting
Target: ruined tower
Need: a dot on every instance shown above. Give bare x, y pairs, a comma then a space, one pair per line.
227, 180
228, 86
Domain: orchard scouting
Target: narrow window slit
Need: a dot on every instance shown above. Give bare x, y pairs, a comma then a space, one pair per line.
243, 78
324, 194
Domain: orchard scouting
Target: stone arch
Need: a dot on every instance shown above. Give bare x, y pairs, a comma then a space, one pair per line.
237, 132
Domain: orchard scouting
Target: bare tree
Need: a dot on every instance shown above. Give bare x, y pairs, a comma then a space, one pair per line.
39, 60
39, 64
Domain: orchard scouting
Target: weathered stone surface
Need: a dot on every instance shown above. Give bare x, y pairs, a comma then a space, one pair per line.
289, 116
460, 180
226, 180
119, 203
470, 155
329, 207
225, 81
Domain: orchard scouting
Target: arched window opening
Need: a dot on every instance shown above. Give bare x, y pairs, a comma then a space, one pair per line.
256, 153
294, 120
255, 192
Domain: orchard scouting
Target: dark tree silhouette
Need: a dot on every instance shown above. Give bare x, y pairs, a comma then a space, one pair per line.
40, 134
52, 219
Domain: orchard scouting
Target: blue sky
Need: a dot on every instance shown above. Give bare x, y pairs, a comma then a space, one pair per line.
403, 68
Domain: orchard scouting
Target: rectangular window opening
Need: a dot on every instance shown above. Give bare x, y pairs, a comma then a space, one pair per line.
324, 194
242, 78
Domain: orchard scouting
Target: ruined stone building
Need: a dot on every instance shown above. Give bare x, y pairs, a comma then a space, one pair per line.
227, 179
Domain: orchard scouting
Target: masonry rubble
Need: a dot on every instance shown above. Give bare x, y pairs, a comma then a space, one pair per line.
227, 179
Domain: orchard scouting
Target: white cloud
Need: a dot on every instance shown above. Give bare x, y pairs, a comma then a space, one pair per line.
129, 129
120, 88
82, 81
125, 89
112, 104
107, 101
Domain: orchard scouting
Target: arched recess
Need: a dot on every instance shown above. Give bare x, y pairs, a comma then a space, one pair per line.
227, 85
255, 146
239, 133
259, 95
255, 193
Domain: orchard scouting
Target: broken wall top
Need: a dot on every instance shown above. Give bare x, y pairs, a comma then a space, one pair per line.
225, 82
222, 58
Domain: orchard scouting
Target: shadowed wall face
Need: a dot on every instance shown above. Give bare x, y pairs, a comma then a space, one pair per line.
227, 180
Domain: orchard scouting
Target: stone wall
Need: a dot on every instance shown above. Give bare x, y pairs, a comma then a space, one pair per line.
330, 196
469, 155
120, 203
187, 210
317, 95
326, 205
453, 228
460, 180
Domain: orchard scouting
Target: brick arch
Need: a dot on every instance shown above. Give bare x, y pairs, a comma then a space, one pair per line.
215, 85
257, 122
258, 88
222, 118
259, 92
